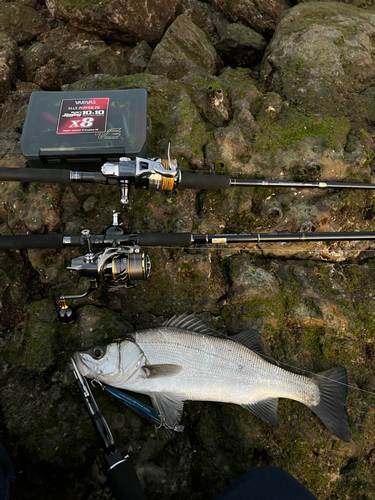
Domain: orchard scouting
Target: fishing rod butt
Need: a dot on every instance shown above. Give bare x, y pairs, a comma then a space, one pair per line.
124, 482
31, 241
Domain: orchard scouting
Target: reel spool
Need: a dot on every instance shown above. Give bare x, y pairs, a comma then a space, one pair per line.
119, 267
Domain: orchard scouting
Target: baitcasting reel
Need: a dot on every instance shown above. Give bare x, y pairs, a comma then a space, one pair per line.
115, 267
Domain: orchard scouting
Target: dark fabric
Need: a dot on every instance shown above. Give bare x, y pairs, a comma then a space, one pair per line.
267, 483
7, 477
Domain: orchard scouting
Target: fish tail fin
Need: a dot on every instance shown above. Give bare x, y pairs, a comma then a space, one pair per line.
331, 410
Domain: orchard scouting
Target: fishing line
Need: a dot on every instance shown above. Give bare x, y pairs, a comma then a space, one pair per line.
317, 375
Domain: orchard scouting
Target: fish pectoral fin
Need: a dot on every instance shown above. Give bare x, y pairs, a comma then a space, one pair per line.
265, 409
170, 407
166, 370
251, 339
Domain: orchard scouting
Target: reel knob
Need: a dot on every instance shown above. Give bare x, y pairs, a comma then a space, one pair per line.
66, 313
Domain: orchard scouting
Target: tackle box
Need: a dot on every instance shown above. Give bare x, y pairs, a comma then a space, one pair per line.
84, 129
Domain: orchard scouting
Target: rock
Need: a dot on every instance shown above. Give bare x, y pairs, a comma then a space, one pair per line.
261, 16
248, 281
357, 3
320, 58
190, 130
67, 54
140, 56
6, 79
128, 21
90, 204
202, 15
37, 213
4, 283
21, 22
9, 50
240, 46
38, 55
13, 114
183, 51
9, 54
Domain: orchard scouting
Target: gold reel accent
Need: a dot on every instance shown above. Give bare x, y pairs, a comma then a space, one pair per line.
167, 183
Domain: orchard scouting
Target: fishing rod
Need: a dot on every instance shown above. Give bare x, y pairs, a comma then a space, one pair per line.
121, 475
60, 241
158, 174
122, 263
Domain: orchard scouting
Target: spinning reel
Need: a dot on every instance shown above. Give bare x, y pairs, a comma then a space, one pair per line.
115, 267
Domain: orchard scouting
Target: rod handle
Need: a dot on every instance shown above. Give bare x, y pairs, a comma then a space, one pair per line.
190, 180
23, 242
124, 482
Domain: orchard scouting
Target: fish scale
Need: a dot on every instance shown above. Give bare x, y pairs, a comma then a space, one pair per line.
222, 359
186, 360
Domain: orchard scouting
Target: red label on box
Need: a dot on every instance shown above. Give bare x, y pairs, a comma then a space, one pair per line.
83, 116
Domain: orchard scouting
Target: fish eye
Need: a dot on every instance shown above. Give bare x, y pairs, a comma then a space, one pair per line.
97, 352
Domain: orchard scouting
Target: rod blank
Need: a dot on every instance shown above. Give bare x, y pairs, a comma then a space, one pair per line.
296, 184
59, 241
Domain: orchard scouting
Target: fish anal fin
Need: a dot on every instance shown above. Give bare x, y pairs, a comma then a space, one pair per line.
161, 370
251, 339
265, 409
170, 408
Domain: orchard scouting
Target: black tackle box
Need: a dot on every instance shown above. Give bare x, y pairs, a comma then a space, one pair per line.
84, 129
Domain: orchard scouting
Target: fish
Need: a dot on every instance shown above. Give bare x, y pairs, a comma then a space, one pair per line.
186, 360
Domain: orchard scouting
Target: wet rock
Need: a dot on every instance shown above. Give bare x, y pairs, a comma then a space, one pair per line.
21, 22
320, 58
240, 46
261, 16
126, 21
183, 51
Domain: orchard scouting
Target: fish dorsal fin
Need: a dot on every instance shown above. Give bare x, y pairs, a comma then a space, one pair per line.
166, 370
250, 338
266, 410
191, 323
169, 406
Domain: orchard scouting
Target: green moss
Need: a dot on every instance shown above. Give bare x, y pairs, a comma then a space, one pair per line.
291, 127
34, 344
370, 155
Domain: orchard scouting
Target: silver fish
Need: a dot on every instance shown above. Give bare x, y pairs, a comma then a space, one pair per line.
185, 360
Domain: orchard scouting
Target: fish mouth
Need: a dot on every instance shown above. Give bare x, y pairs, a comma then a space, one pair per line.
85, 367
